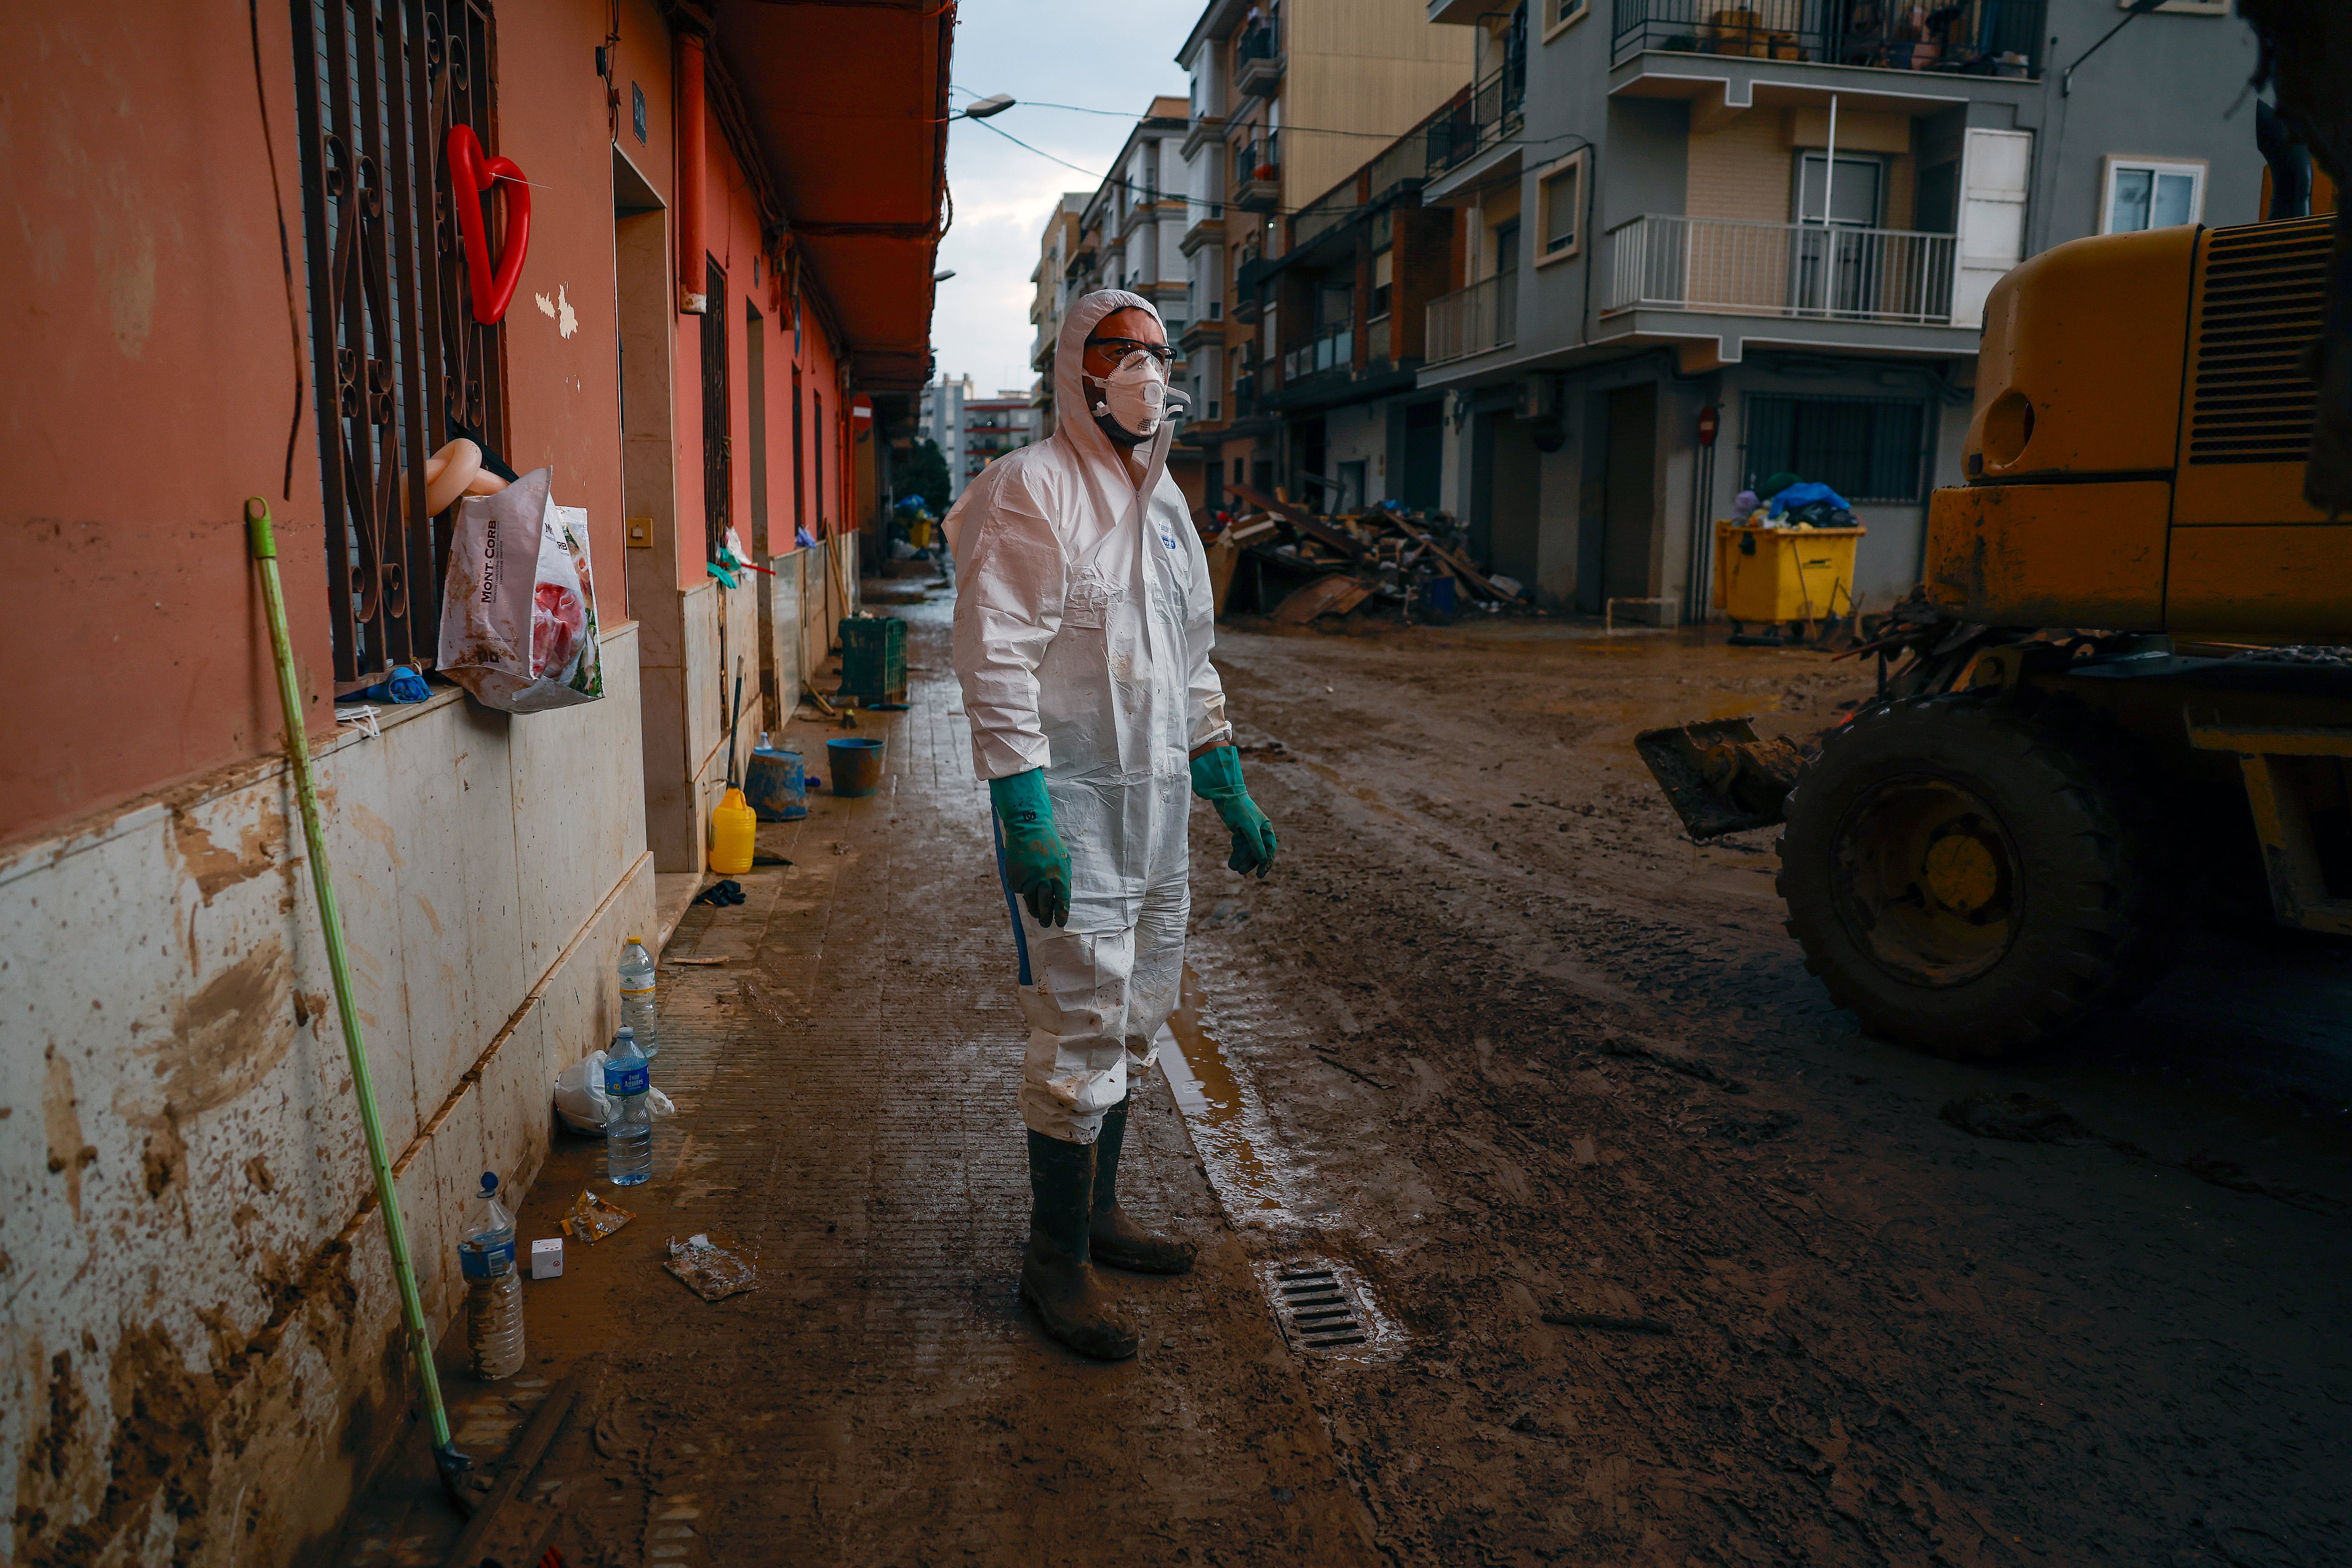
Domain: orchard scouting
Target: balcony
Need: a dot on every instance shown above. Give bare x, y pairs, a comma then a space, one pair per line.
1209, 229
1729, 268
1474, 320
1479, 122
1331, 348
1981, 37
1257, 61
1205, 129
1257, 173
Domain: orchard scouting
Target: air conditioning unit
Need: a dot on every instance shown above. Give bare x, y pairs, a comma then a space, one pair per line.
1539, 399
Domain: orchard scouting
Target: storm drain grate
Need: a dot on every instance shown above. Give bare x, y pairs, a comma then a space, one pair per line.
1326, 1310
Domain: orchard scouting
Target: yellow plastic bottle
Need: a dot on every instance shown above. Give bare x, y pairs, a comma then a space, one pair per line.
733, 827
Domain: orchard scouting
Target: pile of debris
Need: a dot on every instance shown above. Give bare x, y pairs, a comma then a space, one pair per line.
1279, 559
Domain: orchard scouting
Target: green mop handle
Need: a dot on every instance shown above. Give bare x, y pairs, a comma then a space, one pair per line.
298, 753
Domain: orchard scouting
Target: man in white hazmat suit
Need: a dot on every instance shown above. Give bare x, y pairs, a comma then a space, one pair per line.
1083, 625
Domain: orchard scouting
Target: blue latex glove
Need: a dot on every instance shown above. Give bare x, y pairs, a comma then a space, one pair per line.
1035, 862
1217, 779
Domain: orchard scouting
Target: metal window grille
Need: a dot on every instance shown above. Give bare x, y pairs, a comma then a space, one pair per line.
1865, 449
399, 364
718, 448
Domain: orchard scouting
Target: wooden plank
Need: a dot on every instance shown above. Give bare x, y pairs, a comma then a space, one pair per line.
1306, 521
1454, 563
505, 1513
1335, 595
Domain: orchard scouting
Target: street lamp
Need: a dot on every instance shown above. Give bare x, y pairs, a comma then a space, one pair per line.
943, 274
982, 108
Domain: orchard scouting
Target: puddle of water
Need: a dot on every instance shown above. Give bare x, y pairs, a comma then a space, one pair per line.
1253, 1179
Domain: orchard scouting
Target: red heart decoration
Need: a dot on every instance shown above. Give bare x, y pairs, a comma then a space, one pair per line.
473, 174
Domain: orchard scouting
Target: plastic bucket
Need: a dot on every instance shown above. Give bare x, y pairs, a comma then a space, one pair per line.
856, 766
775, 785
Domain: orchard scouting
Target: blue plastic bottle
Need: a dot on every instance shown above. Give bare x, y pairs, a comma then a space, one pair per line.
629, 1130
486, 1257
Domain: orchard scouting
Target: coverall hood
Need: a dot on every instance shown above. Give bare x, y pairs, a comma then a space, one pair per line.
1074, 417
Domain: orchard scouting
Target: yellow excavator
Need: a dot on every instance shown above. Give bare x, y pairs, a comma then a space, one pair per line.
2123, 695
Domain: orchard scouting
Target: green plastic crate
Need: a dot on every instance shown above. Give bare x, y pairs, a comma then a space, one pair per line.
873, 659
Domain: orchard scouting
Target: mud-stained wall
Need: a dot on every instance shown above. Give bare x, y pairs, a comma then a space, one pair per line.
203, 1343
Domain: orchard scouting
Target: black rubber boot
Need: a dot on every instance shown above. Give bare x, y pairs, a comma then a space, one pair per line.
1056, 1276
1114, 1239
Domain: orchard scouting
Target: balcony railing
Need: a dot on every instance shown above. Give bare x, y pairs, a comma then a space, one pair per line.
1258, 60
1330, 348
1472, 320
1259, 158
1780, 269
1978, 37
1479, 120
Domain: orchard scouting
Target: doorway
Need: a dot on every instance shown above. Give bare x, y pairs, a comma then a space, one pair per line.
1505, 476
645, 307
1424, 454
1629, 507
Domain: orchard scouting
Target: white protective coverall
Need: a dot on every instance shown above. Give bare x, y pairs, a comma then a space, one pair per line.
1083, 623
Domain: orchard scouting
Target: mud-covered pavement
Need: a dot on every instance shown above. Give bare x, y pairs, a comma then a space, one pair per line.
1675, 1268
1542, 1066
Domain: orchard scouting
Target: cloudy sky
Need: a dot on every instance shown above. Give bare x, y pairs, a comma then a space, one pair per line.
1109, 55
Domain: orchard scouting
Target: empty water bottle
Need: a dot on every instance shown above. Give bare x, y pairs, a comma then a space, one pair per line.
638, 997
629, 1126
493, 1286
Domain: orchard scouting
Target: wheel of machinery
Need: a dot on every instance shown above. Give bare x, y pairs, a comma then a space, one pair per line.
1971, 878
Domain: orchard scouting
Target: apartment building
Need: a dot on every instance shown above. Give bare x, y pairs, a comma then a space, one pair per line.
1054, 287
973, 431
205, 1342
1342, 310
938, 418
1287, 100
995, 426
1700, 246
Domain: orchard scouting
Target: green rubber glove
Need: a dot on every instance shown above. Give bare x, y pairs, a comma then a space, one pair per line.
1217, 779
1035, 862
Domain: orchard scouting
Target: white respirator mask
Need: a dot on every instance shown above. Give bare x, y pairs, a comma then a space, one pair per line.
1133, 398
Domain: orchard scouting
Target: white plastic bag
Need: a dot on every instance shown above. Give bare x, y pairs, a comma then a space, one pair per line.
518, 605
582, 1104
580, 1099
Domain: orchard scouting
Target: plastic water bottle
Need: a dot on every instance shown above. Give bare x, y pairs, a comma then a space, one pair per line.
629, 1130
493, 1286
638, 997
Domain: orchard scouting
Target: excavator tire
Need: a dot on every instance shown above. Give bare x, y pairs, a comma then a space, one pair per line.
1972, 878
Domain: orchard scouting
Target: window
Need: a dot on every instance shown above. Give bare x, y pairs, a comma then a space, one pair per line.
2144, 194
718, 445
1560, 196
1865, 449
1853, 200
1383, 277
399, 365
1558, 14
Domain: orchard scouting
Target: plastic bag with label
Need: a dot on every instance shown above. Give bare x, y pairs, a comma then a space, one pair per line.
518, 605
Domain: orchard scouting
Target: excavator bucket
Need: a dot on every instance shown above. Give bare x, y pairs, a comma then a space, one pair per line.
1718, 777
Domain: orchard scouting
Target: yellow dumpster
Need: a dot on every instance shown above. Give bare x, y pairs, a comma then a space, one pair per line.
1776, 575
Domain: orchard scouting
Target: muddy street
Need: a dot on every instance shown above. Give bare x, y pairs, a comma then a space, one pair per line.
1651, 1258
